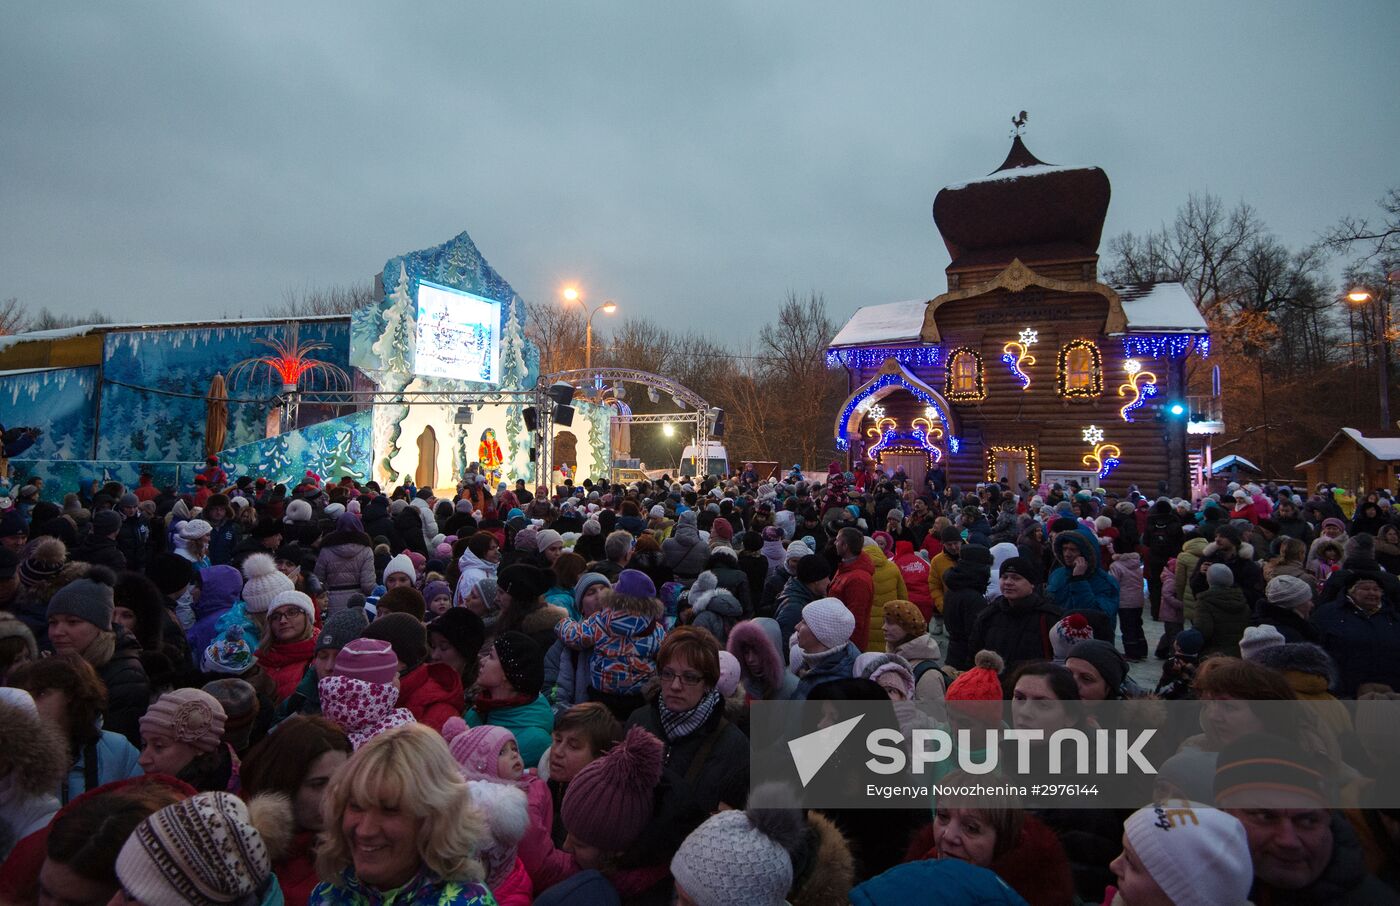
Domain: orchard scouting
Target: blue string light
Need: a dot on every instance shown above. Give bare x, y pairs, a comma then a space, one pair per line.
866, 357
1109, 465
1169, 345
843, 441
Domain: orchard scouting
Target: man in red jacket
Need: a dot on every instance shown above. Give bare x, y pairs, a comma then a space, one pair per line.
854, 583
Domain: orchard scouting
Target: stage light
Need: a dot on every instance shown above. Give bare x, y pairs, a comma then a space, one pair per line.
653, 394
463, 416
668, 430
1176, 409
619, 391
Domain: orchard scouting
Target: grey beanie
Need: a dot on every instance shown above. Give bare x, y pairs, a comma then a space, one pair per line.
488, 588
341, 628
1111, 665
86, 600
1218, 575
1288, 591
106, 522
129, 500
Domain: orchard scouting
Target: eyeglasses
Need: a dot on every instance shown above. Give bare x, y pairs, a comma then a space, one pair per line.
689, 678
284, 616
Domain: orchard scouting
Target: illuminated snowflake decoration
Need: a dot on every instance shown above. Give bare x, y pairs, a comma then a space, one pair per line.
931, 413
1093, 435
1028, 337
1132, 366
876, 412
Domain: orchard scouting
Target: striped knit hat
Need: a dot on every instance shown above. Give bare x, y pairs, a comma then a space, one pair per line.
203, 851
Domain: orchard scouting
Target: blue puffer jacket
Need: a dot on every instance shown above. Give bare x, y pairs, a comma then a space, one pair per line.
827, 666
1095, 590
116, 760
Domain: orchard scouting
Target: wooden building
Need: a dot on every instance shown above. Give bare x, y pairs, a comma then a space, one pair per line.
1029, 367
1355, 461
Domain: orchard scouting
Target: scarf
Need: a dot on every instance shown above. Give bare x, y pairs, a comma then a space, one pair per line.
680, 724
484, 704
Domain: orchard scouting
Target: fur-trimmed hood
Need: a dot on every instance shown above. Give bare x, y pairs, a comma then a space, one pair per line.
832, 868
505, 807
749, 636
33, 755
1299, 657
271, 814
1245, 551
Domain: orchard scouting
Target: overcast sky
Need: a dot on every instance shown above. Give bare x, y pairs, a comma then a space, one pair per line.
695, 162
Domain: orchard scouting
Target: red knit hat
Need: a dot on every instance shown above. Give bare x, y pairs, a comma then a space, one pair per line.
722, 529
610, 801
978, 691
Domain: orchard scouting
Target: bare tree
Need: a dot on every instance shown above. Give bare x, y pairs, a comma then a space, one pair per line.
333, 300
796, 375
13, 317
558, 333
1378, 242
48, 320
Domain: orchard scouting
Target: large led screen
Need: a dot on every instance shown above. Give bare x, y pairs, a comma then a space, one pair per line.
459, 335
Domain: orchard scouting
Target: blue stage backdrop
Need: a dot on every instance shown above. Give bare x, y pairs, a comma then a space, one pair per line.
139, 425
332, 449
59, 400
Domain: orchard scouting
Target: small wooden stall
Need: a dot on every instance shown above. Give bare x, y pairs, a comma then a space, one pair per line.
1355, 461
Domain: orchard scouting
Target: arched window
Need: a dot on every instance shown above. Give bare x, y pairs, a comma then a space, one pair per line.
1080, 369
965, 381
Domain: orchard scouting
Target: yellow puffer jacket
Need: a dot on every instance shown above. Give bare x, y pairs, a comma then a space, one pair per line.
1186, 561
889, 586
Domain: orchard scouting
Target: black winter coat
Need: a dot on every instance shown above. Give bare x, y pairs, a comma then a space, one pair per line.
1292, 627
100, 552
128, 689
725, 767
964, 599
1020, 633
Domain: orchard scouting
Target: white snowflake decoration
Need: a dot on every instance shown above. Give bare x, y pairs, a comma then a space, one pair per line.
1132, 366
1093, 435
1028, 337
930, 413
877, 412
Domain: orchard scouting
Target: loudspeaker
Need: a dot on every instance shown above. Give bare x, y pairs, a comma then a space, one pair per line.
564, 415
561, 393
532, 418
716, 422
534, 455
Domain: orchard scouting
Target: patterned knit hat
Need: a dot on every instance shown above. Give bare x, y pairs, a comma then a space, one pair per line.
521, 662
830, 621
732, 860
477, 750
228, 653
262, 582
191, 716
1065, 634
906, 615
202, 851
610, 802
43, 562
1199, 856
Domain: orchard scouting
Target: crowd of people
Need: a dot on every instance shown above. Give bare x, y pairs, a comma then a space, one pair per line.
334, 693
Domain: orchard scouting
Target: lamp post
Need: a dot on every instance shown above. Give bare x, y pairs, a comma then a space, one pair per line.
608, 306
1360, 295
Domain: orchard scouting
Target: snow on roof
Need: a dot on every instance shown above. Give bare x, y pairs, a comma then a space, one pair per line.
1160, 308
82, 330
1227, 462
1386, 449
1017, 173
893, 322
18, 371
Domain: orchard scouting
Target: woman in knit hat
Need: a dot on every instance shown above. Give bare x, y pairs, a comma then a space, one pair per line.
263, 582
1099, 670
80, 621
688, 715
609, 805
290, 770
346, 561
191, 541
738, 858
71, 698
906, 634
509, 681
207, 850
184, 735
289, 644
40, 573
821, 647
400, 822
1287, 606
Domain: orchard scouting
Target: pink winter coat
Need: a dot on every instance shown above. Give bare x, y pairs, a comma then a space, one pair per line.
1172, 610
1127, 569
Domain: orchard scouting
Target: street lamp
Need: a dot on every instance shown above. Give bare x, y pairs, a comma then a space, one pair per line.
571, 294
1360, 295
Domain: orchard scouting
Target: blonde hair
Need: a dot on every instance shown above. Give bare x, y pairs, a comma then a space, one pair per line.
410, 768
